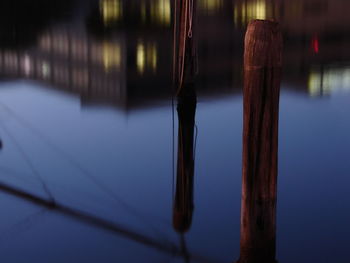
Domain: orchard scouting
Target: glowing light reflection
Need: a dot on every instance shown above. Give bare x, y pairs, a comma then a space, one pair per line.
45, 67
146, 57
140, 58
326, 82
315, 44
27, 65
161, 11
247, 11
210, 6
112, 11
111, 56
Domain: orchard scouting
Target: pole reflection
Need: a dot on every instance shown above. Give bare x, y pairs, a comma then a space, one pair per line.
183, 204
185, 58
183, 201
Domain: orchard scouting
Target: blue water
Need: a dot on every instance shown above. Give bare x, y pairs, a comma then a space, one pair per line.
112, 155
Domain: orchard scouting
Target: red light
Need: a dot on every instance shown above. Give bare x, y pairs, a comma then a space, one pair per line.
315, 44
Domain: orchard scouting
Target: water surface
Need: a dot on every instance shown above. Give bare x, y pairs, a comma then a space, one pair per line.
87, 118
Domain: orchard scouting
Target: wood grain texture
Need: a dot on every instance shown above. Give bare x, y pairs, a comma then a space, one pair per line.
262, 74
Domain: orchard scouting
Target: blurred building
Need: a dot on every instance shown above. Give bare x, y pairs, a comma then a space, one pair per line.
121, 51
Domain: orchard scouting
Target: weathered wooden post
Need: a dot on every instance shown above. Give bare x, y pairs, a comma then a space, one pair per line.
262, 73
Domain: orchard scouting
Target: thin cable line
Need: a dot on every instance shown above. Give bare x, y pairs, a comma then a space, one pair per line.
190, 16
175, 81
173, 147
182, 65
26, 158
195, 141
83, 171
23, 225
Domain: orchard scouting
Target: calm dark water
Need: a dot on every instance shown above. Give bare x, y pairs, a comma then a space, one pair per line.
87, 119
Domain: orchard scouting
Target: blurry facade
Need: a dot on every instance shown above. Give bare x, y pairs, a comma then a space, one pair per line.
129, 63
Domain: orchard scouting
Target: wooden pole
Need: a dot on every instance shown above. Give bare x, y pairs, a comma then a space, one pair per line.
262, 74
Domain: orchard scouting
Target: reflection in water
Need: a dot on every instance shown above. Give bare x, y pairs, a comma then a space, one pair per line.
118, 12
115, 65
73, 62
245, 11
185, 50
185, 73
111, 10
183, 204
120, 53
326, 81
21, 21
112, 56
146, 57
92, 220
160, 12
210, 6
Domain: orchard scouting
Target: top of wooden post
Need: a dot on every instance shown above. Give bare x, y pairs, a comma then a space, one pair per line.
263, 45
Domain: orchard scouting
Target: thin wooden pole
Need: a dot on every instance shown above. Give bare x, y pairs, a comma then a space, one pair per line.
262, 74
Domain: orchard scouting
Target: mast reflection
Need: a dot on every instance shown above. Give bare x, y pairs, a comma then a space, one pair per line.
184, 75
183, 204
184, 78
